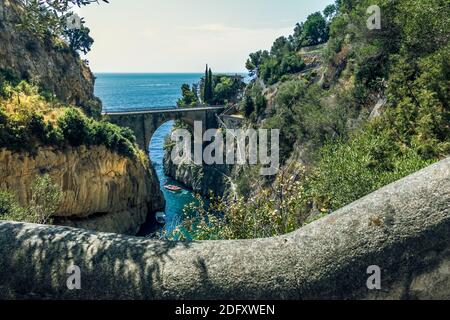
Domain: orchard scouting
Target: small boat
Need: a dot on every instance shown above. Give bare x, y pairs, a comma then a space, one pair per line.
173, 188
160, 218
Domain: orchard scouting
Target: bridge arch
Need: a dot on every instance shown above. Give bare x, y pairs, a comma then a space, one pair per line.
144, 123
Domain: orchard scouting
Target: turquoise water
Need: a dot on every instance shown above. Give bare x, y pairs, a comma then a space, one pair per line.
131, 91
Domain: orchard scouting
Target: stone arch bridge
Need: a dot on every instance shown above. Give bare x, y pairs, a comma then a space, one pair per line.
144, 123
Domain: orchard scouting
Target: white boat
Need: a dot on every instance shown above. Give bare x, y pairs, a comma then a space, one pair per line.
160, 217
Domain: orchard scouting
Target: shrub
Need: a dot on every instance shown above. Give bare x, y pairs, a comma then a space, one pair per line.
53, 135
93, 108
74, 127
45, 200
113, 137
349, 170
128, 134
275, 210
9, 207
37, 126
15, 135
3, 116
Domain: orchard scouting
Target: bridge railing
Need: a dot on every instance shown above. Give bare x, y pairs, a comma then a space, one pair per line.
168, 109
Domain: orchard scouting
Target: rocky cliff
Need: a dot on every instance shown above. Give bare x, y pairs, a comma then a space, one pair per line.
101, 190
200, 179
58, 71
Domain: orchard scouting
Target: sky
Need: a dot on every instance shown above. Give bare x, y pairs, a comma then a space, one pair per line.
182, 36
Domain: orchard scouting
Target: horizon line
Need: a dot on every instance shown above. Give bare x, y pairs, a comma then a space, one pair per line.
165, 72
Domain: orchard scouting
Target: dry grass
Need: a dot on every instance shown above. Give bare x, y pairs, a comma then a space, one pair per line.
27, 98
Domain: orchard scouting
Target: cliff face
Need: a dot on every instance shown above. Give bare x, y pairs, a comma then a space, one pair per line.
201, 179
101, 190
39, 62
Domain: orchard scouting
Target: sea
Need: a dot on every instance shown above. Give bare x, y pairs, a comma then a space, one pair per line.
120, 92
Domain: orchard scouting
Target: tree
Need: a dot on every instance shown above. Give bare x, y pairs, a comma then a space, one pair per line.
330, 11
249, 106
260, 104
189, 97
208, 87
45, 200
280, 47
315, 30
79, 39
256, 60
211, 85
49, 20
296, 39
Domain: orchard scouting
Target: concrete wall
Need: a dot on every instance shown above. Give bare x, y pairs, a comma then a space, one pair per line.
403, 228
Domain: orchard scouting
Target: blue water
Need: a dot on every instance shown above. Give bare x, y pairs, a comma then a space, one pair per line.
137, 91
124, 91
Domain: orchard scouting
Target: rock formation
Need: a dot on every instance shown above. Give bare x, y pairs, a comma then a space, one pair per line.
101, 190
201, 179
39, 62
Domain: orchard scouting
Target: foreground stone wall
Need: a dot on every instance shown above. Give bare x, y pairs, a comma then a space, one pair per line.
403, 228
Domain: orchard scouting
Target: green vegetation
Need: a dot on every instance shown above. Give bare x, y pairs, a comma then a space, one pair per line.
215, 90
9, 207
49, 21
78, 130
349, 170
283, 58
189, 97
45, 201
79, 39
208, 86
328, 125
276, 210
227, 89
28, 120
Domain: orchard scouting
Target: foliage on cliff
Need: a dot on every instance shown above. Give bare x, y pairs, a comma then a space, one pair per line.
54, 21
221, 89
30, 118
331, 124
283, 58
45, 200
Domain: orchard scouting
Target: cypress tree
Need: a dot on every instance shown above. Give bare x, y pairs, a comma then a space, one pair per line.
211, 85
206, 91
